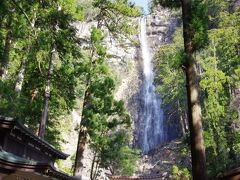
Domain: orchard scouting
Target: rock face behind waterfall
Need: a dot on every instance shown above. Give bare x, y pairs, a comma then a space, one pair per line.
161, 25
125, 60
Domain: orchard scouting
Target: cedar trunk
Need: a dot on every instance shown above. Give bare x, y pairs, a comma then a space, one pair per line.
194, 109
20, 77
8, 42
21, 73
44, 114
82, 139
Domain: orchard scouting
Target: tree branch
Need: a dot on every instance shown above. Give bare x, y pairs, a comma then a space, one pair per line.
21, 9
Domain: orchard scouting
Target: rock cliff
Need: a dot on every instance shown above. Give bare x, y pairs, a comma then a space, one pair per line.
125, 60
161, 24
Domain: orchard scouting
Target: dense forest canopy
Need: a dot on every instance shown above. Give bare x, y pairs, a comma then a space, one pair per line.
47, 71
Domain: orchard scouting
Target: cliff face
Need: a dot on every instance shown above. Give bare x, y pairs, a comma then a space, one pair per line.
161, 24
124, 64
125, 60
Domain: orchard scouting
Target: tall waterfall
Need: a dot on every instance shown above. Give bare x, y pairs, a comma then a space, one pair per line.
152, 115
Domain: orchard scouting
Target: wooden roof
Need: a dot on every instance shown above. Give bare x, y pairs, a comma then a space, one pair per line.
11, 162
11, 123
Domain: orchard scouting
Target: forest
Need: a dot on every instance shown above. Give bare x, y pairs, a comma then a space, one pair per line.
47, 72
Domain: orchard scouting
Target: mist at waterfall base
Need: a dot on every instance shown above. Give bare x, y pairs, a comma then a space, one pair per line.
153, 130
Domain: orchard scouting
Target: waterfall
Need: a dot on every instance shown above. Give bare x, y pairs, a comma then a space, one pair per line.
152, 115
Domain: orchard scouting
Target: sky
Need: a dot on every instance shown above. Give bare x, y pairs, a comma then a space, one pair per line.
142, 3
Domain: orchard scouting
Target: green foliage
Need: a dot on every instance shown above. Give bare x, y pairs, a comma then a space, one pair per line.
35, 27
219, 64
117, 156
104, 117
168, 3
117, 16
33, 37
199, 23
218, 68
236, 77
169, 61
214, 10
180, 174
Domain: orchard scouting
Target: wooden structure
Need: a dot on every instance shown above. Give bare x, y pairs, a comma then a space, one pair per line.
149, 177
233, 174
24, 156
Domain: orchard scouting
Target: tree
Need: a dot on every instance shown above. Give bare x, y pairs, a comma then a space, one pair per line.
12, 18
30, 60
101, 114
217, 67
117, 156
214, 113
8, 14
169, 61
60, 15
113, 15
194, 33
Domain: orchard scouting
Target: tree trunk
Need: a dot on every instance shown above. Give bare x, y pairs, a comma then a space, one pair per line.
185, 121
20, 78
181, 119
82, 139
92, 167
21, 73
8, 42
194, 109
182, 125
44, 114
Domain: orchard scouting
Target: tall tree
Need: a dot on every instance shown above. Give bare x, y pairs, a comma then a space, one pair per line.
169, 61
8, 42
194, 34
60, 15
44, 114
8, 13
113, 15
46, 49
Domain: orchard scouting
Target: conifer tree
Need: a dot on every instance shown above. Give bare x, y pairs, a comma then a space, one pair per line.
194, 17
41, 28
114, 16
217, 66
59, 15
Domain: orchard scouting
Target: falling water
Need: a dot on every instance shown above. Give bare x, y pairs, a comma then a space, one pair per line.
152, 115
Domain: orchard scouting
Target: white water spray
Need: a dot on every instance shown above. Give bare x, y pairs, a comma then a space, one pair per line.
152, 114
